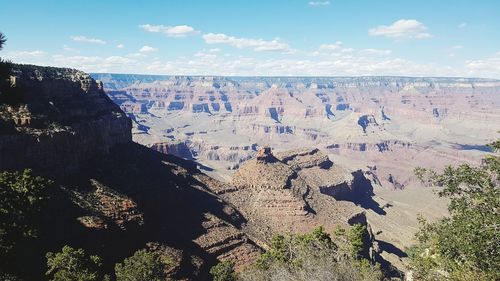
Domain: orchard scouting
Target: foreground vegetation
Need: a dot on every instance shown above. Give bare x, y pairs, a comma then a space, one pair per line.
465, 245
312, 256
5, 72
22, 198
74, 264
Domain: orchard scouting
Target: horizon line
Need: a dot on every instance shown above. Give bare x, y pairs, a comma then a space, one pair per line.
298, 76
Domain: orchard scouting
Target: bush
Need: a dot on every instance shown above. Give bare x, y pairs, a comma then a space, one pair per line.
8, 277
313, 256
142, 266
466, 245
22, 196
8, 94
223, 271
73, 264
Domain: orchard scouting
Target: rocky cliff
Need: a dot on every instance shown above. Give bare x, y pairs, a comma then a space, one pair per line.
292, 191
112, 196
58, 119
118, 196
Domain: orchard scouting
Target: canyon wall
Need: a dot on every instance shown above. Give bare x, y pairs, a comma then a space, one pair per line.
384, 122
111, 196
58, 118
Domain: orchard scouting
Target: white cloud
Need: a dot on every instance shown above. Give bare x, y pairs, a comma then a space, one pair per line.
462, 25
331, 47
374, 52
29, 57
30, 53
170, 31
205, 56
203, 63
148, 49
487, 67
118, 60
259, 45
87, 40
357, 62
319, 3
69, 49
95, 63
453, 49
120, 46
402, 28
136, 55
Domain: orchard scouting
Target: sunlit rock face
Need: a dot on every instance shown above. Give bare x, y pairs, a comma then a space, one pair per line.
389, 123
293, 191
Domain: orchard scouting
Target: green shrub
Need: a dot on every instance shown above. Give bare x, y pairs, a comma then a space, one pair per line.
73, 264
355, 237
223, 271
22, 195
314, 256
465, 245
142, 266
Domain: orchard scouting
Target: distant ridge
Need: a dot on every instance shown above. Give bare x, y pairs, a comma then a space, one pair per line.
111, 80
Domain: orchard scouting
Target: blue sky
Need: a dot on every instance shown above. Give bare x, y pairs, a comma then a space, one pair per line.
292, 37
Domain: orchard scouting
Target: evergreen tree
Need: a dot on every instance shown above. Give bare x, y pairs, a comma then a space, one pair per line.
73, 265
465, 245
3, 39
142, 266
22, 195
223, 271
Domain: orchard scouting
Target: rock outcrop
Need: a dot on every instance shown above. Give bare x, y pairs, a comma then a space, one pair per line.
113, 196
60, 119
290, 191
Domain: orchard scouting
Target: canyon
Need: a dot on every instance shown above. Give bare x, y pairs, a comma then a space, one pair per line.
382, 126
207, 169
113, 196
391, 124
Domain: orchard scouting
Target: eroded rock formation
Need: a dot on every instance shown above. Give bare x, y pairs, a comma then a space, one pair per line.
60, 118
113, 196
396, 123
290, 191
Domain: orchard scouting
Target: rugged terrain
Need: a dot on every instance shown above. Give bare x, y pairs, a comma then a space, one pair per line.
383, 126
114, 196
389, 123
294, 191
